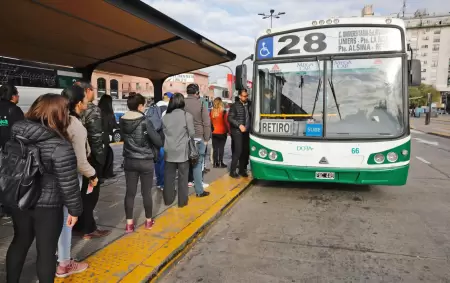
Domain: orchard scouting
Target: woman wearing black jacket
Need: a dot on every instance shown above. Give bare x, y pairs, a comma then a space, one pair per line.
141, 144
46, 127
109, 124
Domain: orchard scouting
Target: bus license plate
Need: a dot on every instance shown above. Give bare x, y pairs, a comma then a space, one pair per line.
325, 175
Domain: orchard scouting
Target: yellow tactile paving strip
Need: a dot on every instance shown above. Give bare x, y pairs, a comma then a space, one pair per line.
139, 256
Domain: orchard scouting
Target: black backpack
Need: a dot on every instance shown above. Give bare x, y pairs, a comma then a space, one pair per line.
20, 174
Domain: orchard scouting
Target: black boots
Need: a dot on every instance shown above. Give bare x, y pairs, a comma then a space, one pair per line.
219, 165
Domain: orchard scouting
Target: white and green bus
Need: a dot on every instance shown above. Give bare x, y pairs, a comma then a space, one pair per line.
330, 102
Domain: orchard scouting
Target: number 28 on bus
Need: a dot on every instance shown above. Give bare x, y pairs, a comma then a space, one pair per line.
338, 87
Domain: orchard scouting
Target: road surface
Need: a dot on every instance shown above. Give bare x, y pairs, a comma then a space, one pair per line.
310, 233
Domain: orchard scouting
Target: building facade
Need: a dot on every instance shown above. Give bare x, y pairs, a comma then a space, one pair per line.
119, 86
429, 38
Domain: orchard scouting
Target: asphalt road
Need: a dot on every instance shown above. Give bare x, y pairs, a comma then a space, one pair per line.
281, 232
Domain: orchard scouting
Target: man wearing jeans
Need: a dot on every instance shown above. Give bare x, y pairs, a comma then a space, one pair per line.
202, 126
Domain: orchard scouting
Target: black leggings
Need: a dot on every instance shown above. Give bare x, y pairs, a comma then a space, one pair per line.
44, 224
136, 169
218, 141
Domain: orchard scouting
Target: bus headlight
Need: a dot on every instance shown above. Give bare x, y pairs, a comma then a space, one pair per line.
405, 152
392, 157
336, 21
253, 148
321, 22
273, 155
329, 21
379, 158
262, 153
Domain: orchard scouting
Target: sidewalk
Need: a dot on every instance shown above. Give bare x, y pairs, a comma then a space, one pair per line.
140, 255
438, 126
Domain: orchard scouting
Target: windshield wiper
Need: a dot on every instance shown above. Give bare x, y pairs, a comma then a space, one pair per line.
330, 81
318, 89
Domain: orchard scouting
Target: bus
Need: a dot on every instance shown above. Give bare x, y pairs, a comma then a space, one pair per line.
330, 102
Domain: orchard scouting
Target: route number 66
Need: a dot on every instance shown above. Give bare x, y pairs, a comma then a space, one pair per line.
315, 42
355, 150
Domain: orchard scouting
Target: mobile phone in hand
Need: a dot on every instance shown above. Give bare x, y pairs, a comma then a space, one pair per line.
90, 189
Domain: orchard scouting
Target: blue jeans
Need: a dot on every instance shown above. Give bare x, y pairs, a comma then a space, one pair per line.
198, 168
159, 169
65, 239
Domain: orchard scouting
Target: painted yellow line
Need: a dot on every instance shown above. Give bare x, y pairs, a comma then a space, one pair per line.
140, 256
115, 143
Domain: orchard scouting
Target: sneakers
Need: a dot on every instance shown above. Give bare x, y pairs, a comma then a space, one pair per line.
244, 174
73, 268
129, 228
234, 175
97, 234
205, 185
149, 224
190, 185
204, 194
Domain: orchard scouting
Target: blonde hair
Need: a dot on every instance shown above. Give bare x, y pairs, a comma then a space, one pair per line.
217, 107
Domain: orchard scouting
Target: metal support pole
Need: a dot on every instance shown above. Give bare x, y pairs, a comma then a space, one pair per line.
157, 90
428, 114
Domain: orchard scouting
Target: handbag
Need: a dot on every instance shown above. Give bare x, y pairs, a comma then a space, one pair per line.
193, 154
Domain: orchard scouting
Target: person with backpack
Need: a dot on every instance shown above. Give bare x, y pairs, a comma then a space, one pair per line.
9, 114
141, 143
159, 165
51, 183
220, 131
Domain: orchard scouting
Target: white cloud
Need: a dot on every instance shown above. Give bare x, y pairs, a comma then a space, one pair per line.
235, 24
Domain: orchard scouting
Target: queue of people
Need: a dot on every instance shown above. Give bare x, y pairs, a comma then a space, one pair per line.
71, 135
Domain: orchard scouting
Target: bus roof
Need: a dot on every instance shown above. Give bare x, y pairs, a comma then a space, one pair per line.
336, 22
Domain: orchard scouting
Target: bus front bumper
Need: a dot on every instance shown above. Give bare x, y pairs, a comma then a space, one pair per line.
394, 176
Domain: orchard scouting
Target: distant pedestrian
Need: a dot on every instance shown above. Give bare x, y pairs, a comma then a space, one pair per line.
239, 118
109, 124
178, 127
220, 130
202, 126
141, 144
46, 128
159, 165
9, 114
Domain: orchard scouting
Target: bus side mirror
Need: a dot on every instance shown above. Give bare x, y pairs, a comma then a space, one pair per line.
241, 77
414, 72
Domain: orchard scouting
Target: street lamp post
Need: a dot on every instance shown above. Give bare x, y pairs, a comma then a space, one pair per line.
271, 16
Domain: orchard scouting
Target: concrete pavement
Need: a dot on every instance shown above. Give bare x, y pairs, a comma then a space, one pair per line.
280, 232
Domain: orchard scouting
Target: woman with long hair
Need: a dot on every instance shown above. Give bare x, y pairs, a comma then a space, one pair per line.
109, 124
220, 129
178, 127
141, 143
78, 136
46, 127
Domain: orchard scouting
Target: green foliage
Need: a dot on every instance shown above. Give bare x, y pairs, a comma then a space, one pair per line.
418, 95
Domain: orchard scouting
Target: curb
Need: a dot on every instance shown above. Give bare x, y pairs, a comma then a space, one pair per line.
146, 255
442, 135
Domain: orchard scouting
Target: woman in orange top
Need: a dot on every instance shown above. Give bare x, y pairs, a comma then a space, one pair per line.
220, 128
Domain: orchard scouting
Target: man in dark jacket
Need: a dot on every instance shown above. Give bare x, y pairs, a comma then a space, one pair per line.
9, 114
239, 118
92, 121
9, 111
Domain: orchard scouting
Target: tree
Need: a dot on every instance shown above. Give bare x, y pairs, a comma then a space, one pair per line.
418, 95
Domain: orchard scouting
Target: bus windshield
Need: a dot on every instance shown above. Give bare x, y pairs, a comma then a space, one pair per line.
364, 99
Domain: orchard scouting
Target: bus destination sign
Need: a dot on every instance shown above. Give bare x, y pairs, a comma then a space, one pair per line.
342, 40
277, 127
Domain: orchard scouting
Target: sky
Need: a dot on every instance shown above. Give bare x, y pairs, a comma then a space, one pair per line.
235, 24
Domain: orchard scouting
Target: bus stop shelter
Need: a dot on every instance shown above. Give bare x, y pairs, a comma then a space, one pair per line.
118, 36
